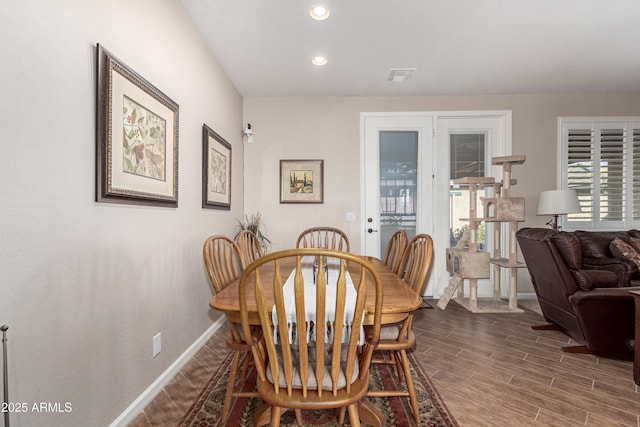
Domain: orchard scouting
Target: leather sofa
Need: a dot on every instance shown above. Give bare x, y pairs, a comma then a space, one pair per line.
582, 288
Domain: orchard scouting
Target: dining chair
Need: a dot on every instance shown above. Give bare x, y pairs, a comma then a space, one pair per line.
397, 338
323, 237
224, 265
395, 249
306, 360
249, 245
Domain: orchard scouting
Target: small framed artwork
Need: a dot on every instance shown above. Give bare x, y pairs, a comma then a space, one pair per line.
301, 181
216, 170
136, 138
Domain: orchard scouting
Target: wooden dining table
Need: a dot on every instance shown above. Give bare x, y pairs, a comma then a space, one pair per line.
398, 302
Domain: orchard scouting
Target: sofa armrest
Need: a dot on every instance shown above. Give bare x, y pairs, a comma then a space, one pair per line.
607, 318
624, 269
591, 279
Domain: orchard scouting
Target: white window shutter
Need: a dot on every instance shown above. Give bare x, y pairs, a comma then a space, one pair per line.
601, 161
612, 185
635, 173
581, 164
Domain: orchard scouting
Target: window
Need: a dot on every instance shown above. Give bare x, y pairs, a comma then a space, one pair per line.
601, 161
467, 158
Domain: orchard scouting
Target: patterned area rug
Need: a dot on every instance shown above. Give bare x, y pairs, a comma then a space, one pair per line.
207, 409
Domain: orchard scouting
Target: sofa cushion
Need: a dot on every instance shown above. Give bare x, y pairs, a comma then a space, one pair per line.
568, 246
590, 279
635, 242
595, 244
623, 250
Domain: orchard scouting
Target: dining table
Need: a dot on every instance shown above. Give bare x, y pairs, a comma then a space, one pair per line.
398, 302
398, 299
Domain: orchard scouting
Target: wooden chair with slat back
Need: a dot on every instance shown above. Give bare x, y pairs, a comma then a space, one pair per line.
307, 361
397, 338
323, 237
224, 265
250, 248
395, 249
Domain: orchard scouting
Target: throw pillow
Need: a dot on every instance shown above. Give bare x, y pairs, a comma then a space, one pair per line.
621, 249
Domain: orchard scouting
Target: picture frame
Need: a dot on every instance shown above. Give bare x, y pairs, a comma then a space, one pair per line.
216, 170
301, 181
136, 137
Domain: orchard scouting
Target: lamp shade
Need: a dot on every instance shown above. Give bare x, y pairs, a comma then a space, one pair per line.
558, 202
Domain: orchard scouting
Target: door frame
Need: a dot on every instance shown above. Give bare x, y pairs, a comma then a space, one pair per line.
437, 280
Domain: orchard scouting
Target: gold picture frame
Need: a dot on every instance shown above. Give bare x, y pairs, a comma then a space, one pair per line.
301, 181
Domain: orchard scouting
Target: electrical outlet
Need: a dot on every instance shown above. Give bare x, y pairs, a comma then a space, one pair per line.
157, 344
351, 216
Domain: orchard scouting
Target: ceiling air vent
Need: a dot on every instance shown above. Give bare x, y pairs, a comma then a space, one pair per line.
400, 74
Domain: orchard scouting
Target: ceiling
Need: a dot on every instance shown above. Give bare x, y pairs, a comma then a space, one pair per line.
457, 46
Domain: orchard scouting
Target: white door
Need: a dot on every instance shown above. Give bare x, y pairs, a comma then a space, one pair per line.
398, 176
407, 173
467, 143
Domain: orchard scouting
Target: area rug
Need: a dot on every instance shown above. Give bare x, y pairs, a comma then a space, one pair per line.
207, 409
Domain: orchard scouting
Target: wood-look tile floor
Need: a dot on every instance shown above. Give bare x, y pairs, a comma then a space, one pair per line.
490, 369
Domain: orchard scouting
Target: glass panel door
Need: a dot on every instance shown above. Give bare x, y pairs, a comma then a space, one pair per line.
398, 184
467, 158
397, 178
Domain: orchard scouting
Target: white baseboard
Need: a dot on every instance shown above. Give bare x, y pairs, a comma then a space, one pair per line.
152, 391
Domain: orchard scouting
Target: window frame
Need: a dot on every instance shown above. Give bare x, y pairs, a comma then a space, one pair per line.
596, 124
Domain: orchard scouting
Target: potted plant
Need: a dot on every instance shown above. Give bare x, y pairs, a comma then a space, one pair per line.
253, 222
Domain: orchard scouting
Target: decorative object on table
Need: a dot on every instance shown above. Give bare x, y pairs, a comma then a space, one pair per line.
301, 181
253, 223
315, 271
205, 411
216, 170
136, 138
466, 262
556, 203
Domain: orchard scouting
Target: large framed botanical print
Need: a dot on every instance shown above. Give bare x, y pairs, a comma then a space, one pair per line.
136, 138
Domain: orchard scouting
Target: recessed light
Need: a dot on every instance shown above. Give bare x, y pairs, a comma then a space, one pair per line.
319, 60
319, 12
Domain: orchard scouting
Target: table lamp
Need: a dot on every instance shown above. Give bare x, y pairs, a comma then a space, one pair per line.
557, 202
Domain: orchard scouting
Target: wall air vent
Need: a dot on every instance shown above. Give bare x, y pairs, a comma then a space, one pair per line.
400, 74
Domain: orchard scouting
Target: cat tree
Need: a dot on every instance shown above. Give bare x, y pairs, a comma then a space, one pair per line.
466, 263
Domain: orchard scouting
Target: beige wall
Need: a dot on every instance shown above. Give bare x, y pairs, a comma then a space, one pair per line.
84, 286
329, 128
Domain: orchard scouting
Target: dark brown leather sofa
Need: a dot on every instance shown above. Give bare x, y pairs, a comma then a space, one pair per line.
582, 288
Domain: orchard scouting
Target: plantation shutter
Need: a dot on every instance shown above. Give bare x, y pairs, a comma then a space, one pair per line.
635, 165
612, 175
581, 170
602, 163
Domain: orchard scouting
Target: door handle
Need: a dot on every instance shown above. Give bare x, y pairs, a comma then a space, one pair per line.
370, 230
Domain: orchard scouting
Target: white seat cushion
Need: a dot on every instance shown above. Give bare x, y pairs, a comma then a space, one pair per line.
312, 383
